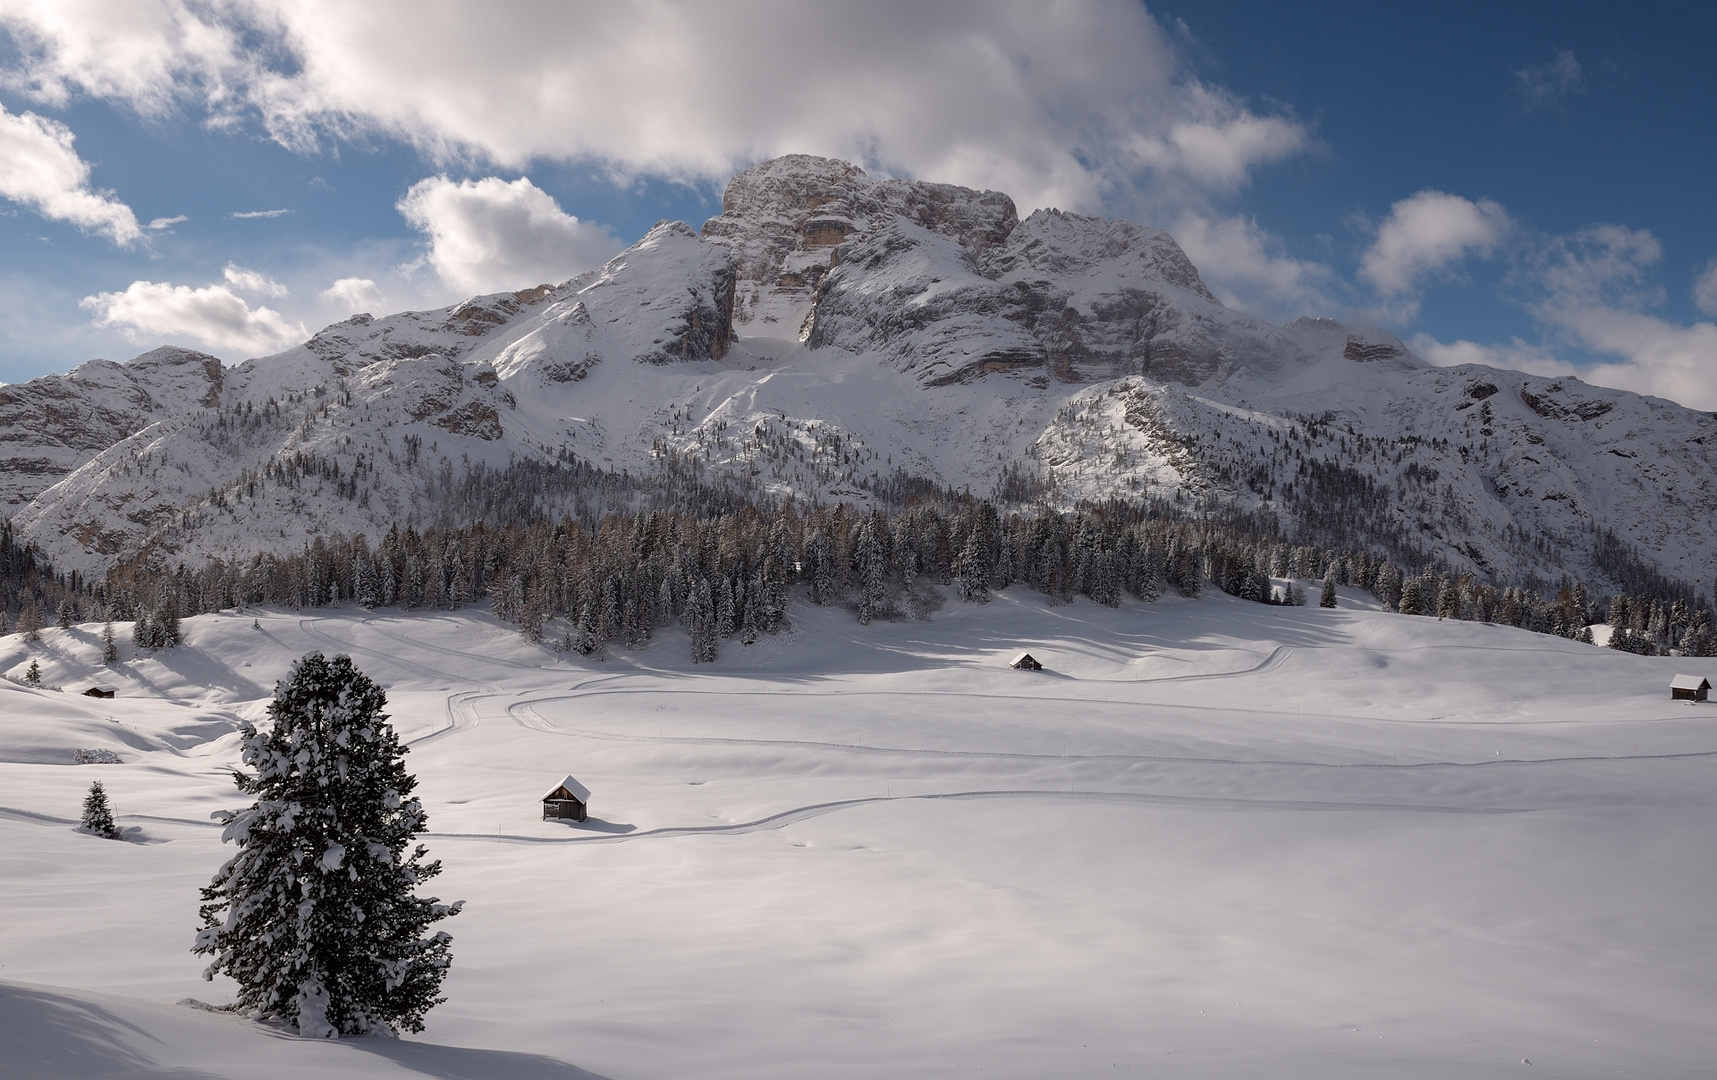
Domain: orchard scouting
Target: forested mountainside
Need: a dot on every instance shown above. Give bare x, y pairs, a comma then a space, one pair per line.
836, 337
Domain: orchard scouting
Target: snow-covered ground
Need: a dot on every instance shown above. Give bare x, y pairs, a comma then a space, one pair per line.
1211, 839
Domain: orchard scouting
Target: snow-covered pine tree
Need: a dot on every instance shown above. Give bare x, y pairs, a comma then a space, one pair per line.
109, 649
29, 622
66, 615
316, 916
33, 674
1326, 599
700, 611
98, 814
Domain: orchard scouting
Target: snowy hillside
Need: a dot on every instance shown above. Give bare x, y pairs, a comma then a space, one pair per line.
831, 332
1211, 839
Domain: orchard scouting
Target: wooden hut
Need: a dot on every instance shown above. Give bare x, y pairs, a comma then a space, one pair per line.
569, 801
1025, 662
1689, 688
98, 691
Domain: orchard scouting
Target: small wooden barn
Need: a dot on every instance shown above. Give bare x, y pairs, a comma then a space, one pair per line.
1025, 662
98, 691
569, 801
1689, 688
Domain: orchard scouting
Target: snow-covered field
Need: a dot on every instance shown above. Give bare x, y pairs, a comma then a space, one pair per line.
1212, 839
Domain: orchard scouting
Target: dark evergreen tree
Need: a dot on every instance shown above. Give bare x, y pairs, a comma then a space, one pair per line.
316, 916
66, 615
109, 649
33, 674
1327, 598
98, 815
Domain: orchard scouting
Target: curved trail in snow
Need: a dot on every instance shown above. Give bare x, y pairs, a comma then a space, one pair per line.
803, 813
538, 723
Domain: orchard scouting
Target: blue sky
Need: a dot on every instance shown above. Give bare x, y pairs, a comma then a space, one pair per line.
1520, 184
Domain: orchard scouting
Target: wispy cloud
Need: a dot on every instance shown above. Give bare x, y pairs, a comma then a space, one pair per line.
1547, 86
246, 215
157, 224
252, 281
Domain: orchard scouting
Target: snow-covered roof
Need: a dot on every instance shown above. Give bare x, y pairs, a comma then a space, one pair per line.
578, 790
1021, 656
1688, 682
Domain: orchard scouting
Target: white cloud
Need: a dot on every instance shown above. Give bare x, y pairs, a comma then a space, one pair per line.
1705, 289
354, 294
488, 235
1249, 269
1426, 234
1548, 85
250, 215
212, 315
251, 281
1072, 105
1595, 293
40, 169
1517, 355
1591, 292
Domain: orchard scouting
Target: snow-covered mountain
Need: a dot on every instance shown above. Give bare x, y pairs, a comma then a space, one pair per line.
830, 331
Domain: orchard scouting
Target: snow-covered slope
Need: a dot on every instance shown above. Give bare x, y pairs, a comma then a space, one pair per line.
830, 330
1212, 839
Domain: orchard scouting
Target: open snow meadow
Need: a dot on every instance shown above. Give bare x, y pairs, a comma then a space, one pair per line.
1210, 839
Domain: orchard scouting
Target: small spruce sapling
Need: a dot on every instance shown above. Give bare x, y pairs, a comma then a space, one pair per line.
98, 815
315, 916
33, 674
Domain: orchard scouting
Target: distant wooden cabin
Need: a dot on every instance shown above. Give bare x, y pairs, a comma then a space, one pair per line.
1689, 688
1025, 662
98, 691
569, 801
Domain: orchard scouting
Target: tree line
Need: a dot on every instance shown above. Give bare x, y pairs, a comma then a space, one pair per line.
586, 585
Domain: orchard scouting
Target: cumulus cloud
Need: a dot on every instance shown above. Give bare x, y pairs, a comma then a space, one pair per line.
1249, 269
354, 294
251, 281
1548, 85
213, 316
1428, 234
40, 169
488, 235
1078, 104
1594, 289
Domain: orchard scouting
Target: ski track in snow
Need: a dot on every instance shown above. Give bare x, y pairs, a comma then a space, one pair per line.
803, 813
546, 726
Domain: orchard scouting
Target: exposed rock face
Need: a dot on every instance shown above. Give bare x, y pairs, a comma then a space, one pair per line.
52, 425
783, 219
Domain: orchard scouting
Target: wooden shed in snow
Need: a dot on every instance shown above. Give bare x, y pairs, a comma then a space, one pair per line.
570, 800
98, 691
1025, 662
1689, 688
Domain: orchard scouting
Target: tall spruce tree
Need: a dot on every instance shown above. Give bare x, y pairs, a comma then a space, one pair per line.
109, 648
316, 916
98, 814
1327, 597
